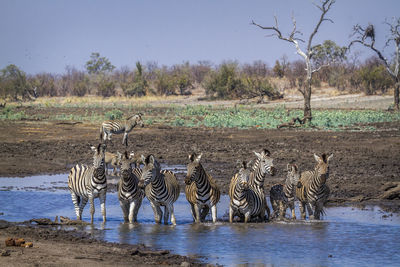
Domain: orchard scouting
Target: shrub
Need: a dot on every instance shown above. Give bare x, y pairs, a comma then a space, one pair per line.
114, 114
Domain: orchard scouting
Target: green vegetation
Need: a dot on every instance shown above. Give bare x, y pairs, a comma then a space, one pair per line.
241, 116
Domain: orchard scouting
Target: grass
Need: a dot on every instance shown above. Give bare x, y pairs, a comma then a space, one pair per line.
241, 116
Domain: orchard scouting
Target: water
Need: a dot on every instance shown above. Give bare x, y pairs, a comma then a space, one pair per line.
347, 236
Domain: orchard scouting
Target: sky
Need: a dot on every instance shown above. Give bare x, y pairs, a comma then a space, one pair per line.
48, 35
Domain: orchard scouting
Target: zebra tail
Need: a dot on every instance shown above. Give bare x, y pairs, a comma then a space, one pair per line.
101, 132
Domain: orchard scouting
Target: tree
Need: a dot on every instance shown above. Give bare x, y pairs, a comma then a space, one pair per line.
97, 64
13, 83
139, 85
366, 37
307, 55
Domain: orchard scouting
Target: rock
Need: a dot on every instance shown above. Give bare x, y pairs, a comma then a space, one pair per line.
5, 253
19, 242
10, 242
28, 245
391, 191
185, 264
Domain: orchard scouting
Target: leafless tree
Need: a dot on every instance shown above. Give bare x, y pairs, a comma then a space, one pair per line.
366, 37
293, 38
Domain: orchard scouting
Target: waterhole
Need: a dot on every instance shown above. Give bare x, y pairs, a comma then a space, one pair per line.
347, 236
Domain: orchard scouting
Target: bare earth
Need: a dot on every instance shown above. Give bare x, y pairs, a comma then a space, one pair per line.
365, 169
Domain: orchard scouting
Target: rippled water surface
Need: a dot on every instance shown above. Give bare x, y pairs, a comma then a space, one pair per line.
347, 236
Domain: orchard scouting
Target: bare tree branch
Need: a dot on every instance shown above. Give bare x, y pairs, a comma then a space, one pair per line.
326, 5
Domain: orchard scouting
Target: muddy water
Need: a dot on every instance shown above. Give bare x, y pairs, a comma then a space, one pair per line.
347, 236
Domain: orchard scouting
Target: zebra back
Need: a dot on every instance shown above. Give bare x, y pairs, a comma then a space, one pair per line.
83, 179
79, 179
165, 189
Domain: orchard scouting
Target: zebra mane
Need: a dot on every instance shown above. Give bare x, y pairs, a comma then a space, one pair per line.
136, 115
324, 158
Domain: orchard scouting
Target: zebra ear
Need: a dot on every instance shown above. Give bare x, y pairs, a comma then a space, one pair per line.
143, 159
318, 158
257, 154
330, 157
131, 155
288, 167
93, 148
191, 157
244, 164
266, 152
197, 159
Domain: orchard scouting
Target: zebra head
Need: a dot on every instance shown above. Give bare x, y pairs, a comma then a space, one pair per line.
193, 168
293, 174
137, 119
244, 176
150, 170
99, 155
125, 162
264, 162
322, 166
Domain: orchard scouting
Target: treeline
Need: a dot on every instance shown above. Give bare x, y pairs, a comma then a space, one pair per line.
228, 80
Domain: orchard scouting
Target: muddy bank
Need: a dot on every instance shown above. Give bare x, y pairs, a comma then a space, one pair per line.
52, 246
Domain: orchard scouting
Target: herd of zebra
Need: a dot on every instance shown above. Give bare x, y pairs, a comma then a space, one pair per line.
246, 191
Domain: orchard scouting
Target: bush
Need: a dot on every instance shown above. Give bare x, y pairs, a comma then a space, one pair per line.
374, 78
114, 114
105, 87
224, 83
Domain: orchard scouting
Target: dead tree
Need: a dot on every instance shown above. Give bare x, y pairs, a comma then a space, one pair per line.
361, 36
307, 54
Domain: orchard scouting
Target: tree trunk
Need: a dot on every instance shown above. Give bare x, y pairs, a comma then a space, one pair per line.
307, 102
396, 94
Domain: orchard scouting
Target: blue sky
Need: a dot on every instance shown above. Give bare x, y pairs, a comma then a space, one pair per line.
47, 35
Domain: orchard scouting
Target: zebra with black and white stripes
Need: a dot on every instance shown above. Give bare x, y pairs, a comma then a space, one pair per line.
89, 182
130, 196
312, 190
161, 188
259, 168
245, 201
201, 190
110, 127
282, 196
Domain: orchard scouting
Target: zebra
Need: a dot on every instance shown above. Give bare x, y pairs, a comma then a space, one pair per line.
282, 196
312, 189
259, 168
201, 190
113, 160
130, 196
245, 201
89, 182
108, 128
161, 188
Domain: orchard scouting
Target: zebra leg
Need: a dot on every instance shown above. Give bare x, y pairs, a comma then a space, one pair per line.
170, 210
102, 198
136, 210
193, 212
124, 210
82, 206
197, 213
310, 209
125, 139
281, 210
132, 208
76, 199
230, 214
214, 213
302, 210
246, 217
204, 213
157, 212
291, 206
91, 200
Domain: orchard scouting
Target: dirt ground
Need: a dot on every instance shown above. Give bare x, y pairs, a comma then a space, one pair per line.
365, 169
55, 247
